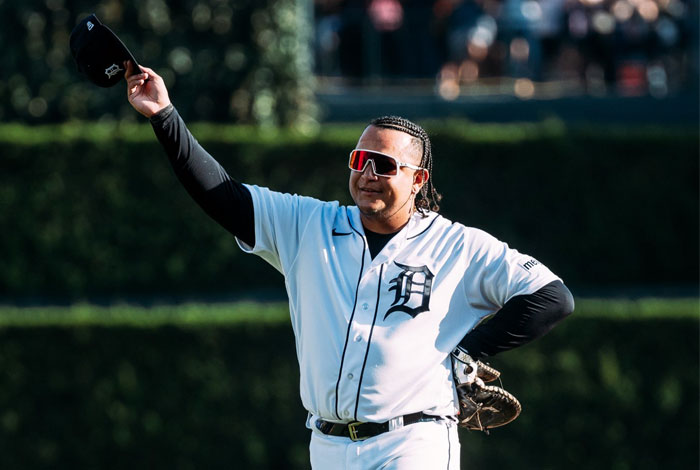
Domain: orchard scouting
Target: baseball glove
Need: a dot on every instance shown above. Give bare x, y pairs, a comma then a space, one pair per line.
481, 406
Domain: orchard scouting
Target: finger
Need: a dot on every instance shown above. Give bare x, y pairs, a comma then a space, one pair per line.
135, 83
134, 68
131, 86
138, 79
150, 72
136, 87
129, 68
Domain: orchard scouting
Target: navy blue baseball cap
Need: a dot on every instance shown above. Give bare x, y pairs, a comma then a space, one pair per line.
99, 53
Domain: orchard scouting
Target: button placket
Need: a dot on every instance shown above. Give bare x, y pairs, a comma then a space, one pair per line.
368, 296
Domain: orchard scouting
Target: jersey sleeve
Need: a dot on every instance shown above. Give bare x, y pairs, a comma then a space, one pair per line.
496, 273
280, 220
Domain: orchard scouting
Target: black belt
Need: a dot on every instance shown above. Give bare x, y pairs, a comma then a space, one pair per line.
358, 431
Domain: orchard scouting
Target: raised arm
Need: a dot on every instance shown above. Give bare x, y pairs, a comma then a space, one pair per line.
225, 200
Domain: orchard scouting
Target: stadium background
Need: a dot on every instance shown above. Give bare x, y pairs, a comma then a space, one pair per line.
135, 333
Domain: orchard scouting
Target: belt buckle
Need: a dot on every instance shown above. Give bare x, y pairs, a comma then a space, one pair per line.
353, 431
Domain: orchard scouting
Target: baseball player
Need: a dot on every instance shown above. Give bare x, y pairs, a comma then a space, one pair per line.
380, 293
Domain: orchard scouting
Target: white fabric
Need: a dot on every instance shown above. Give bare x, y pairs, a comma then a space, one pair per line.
430, 445
368, 349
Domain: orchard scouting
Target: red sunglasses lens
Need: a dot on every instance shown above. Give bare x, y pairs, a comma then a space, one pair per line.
383, 165
358, 160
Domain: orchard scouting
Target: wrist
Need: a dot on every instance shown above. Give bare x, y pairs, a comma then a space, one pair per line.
162, 113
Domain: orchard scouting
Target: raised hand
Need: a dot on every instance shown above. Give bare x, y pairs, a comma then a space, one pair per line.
146, 90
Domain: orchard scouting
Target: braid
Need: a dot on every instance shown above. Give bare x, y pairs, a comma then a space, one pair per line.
428, 198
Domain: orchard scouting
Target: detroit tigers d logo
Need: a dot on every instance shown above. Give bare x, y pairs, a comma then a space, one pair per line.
412, 286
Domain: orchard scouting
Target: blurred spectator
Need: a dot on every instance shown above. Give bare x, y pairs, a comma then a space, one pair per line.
549, 29
630, 47
328, 29
370, 39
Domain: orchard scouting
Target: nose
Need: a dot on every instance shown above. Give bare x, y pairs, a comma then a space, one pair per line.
369, 171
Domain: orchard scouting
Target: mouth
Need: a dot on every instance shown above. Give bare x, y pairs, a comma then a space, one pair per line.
370, 190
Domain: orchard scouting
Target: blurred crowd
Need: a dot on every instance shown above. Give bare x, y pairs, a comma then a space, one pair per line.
628, 47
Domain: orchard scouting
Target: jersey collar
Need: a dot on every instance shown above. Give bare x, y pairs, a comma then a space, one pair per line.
416, 226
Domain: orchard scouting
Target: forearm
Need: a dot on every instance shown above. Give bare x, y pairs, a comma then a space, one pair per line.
226, 200
522, 319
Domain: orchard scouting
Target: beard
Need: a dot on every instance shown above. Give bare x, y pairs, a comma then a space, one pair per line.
385, 213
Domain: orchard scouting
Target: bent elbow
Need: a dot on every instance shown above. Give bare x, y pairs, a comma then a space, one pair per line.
566, 302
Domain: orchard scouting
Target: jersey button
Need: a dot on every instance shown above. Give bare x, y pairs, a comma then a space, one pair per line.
350, 376
358, 338
346, 413
365, 306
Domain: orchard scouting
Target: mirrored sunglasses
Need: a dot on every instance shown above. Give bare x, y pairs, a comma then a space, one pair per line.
382, 164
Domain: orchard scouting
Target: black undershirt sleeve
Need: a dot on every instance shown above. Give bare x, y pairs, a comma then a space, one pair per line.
225, 200
522, 319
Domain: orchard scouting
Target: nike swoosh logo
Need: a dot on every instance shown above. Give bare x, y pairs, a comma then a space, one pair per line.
340, 234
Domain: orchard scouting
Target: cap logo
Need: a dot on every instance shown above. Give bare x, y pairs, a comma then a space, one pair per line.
112, 70
90, 25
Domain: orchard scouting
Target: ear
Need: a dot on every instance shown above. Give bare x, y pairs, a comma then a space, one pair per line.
420, 177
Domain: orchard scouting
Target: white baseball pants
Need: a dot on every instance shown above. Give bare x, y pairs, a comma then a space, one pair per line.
430, 445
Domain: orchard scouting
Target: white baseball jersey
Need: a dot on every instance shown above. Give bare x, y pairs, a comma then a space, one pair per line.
373, 336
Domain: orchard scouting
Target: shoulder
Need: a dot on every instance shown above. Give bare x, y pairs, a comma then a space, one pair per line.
434, 224
475, 243
267, 196
427, 225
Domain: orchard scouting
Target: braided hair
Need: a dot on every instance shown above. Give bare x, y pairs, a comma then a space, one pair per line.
428, 198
